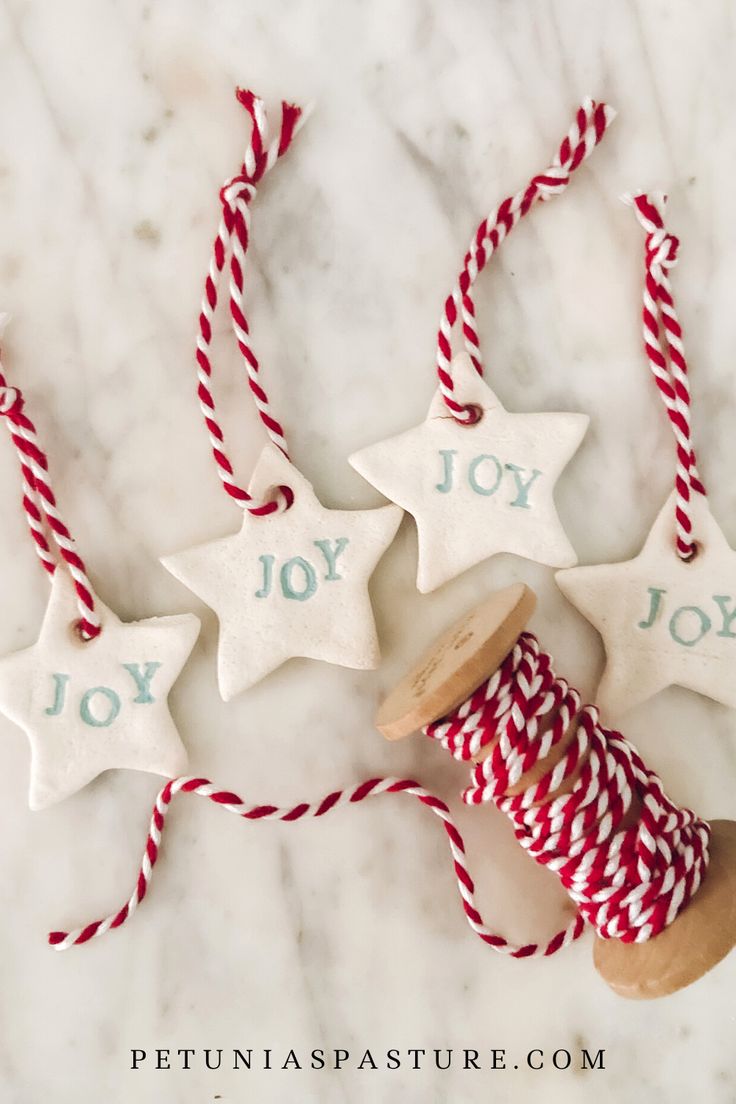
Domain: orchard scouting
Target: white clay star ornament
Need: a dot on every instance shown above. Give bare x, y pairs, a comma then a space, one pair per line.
476, 490
90, 705
667, 617
665, 621
482, 485
292, 583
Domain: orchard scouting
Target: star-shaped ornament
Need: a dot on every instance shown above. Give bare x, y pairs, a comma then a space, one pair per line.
292, 583
664, 621
476, 490
88, 706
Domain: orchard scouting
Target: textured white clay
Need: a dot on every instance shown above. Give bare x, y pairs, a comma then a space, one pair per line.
664, 622
293, 583
88, 706
481, 489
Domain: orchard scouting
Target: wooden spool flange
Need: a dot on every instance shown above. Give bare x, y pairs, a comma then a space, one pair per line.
456, 664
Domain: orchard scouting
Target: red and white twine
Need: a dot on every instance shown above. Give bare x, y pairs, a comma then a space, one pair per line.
629, 858
231, 243
39, 504
626, 854
591, 122
666, 354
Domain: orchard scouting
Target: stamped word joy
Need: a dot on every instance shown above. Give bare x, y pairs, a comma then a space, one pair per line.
99, 706
298, 577
486, 475
688, 624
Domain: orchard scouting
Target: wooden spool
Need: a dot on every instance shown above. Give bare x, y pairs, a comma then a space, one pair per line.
456, 664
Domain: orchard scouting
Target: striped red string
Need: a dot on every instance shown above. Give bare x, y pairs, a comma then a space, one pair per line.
626, 854
39, 504
591, 122
231, 244
665, 351
628, 880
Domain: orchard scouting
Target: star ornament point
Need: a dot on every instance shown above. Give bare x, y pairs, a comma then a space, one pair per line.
664, 622
476, 490
292, 583
89, 706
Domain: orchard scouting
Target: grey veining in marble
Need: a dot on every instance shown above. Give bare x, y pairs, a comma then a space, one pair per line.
118, 127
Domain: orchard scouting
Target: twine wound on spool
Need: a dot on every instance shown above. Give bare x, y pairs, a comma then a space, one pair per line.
628, 880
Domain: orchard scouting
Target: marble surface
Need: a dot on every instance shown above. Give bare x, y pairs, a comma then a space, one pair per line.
118, 127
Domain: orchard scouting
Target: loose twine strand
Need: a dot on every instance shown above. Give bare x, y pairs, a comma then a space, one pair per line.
591, 123
39, 503
629, 858
666, 354
231, 243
